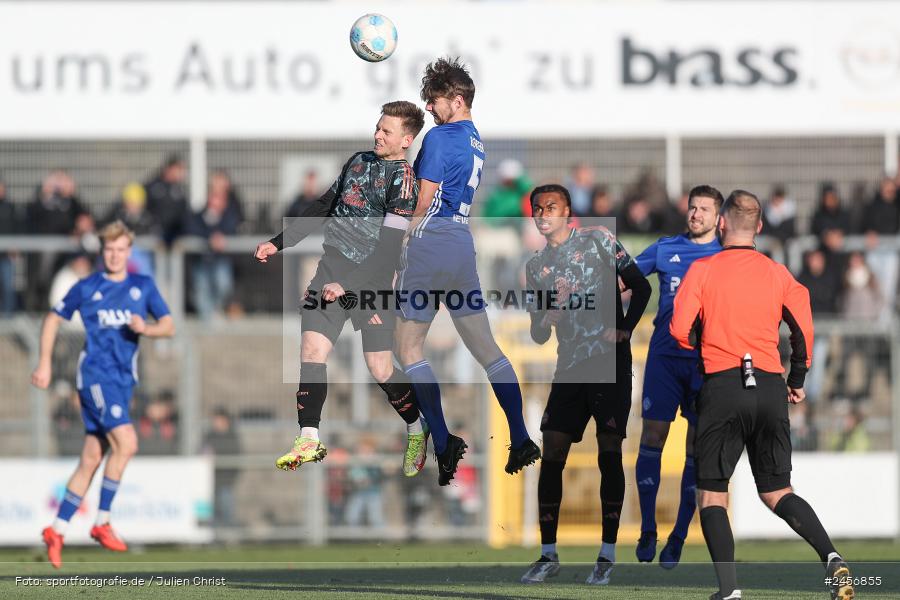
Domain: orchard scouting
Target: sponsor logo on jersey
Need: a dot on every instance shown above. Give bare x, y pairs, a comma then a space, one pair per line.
97, 296
675, 258
135, 293
114, 318
477, 144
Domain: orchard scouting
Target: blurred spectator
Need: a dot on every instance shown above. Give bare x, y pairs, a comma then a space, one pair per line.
601, 202
223, 440
220, 183
649, 187
464, 497
78, 267
54, 210
639, 218
804, 435
417, 498
9, 225
853, 436
779, 216
55, 207
581, 186
309, 192
212, 275
675, 215
829, 214
861, 298
503, 206
366, 495
835, 256
336, 484
158, 426
882, 215
822, 284
167, 197
132, 210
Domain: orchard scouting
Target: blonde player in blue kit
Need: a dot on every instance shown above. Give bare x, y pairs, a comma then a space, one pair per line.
114, 306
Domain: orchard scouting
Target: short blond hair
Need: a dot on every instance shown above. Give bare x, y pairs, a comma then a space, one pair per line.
115, 230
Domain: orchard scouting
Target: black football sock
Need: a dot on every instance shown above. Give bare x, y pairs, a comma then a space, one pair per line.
797, 513
720, 541
311, 393
401, 395
550, 484
612, 493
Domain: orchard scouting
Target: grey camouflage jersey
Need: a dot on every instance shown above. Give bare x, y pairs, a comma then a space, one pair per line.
371, 188
585, 265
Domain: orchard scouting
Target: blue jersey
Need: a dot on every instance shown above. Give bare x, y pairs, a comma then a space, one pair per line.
106, 307
452, 156
671, 257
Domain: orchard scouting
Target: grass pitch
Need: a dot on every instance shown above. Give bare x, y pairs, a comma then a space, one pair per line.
767, 570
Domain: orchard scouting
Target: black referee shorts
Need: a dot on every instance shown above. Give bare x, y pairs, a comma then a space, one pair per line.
328, 318
575, 398
730, 417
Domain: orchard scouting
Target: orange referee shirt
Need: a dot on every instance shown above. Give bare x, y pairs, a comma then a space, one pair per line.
734, 302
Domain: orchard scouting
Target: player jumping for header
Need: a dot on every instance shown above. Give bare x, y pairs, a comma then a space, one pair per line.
440, 255
365, 215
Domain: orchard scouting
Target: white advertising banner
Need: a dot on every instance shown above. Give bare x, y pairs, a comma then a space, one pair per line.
159, 500
854, 494
542, 69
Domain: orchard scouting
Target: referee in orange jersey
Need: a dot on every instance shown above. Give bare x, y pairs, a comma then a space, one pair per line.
732, 304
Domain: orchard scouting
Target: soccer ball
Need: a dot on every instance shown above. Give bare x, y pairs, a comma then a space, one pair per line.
373, 37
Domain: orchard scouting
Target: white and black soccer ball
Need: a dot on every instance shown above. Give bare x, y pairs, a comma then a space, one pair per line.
373, 37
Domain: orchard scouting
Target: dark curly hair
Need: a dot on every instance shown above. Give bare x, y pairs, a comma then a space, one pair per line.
447, 78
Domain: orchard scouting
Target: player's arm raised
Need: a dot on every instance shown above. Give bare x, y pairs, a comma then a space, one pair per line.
299, 227
44, 371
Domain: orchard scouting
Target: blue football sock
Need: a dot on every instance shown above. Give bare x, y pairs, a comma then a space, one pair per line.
646, 472
506, 387
108, 492
428, 393
688, 499
70, 504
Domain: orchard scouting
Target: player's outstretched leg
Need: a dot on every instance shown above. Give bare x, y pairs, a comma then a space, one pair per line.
402, 398
550, 488
310, 400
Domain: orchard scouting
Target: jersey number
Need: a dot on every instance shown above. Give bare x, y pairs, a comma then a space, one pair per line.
475, 179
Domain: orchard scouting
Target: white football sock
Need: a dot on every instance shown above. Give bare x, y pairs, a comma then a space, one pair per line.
548, 549
414, 427
102, 517
310, 432
608, 551
60, 526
